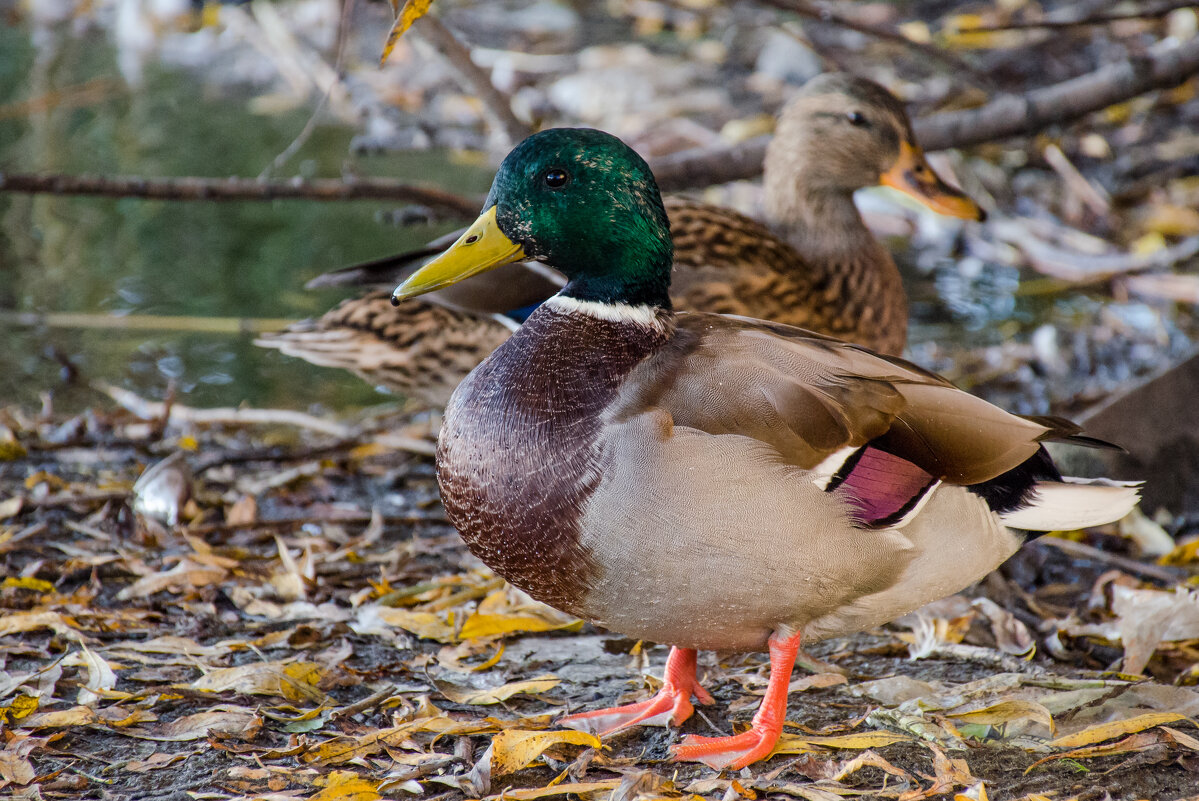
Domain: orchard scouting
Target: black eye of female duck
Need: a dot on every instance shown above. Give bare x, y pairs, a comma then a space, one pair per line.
556, 178
858, 119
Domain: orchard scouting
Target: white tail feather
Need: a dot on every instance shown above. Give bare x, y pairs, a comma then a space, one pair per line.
1074, 503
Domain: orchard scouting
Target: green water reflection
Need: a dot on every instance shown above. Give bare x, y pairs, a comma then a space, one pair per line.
195, 258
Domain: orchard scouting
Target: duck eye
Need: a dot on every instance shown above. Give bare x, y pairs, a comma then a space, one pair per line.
556, 178
857, 119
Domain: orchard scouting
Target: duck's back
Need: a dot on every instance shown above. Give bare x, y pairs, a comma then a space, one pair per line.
727, 263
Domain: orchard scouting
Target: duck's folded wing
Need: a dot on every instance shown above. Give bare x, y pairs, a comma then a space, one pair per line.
818, 401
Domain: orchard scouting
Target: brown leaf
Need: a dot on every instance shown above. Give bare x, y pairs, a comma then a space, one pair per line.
234, 721
295, 681
155, 761
15, 770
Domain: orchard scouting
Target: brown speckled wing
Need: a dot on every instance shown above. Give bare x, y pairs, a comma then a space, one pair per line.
418, 350
727, 263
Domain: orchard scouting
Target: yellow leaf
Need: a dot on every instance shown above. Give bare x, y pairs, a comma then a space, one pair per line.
497, 625
559, 789
802, 744
21, 706
29, 583
515, 749
410, 13
346, 786
494, 695
60, 718
1006, 712
22, 622
1109, 731
426, 625
295, 681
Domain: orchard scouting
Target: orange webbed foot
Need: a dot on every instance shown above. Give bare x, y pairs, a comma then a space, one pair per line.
743, 749
671, 705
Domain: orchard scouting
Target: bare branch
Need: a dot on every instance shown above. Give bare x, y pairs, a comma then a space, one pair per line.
802, 8
194, 188
1009, 115
1005, 116
496, 104
1095, 19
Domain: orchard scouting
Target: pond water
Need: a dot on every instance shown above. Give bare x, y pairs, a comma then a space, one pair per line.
176, 259
65, 107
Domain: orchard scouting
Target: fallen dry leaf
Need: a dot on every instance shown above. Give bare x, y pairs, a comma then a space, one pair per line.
514, 749
495, 695
295, 681
346, 786
1001, 712
567, 788
1108, 731
803, 743
233, 721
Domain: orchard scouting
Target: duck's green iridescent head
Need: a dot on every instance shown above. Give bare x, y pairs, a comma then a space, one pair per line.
579, 200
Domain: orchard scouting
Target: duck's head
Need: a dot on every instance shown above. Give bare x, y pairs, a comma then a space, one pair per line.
842, 133
579, 200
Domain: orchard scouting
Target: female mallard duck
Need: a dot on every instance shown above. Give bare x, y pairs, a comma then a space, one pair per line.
812, 264
710, 481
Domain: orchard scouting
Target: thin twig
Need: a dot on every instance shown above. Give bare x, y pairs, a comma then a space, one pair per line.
1081, 551
310, 126
371, 701
1009, 115
807, 10
151, 410
234, 188
495, 103
1094, 19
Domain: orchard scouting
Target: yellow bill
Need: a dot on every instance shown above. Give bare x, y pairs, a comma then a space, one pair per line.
482, 247
912, 175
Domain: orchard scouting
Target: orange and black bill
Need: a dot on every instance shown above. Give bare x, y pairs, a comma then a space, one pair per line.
912, 175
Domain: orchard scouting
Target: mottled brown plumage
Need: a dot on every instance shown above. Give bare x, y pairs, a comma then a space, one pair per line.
811, 264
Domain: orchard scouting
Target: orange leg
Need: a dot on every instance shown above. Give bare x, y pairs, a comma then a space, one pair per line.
672, 704
757, 743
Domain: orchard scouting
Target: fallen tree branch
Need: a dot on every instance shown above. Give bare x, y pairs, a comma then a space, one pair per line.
1007, 115
153, 410
195, 188
496, 104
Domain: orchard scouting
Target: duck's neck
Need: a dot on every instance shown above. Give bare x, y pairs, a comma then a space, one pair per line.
824, 221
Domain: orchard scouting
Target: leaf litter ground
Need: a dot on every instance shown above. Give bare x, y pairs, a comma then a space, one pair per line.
310, 627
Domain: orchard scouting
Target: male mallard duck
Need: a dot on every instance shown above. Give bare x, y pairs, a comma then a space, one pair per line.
710, 481
812, 264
